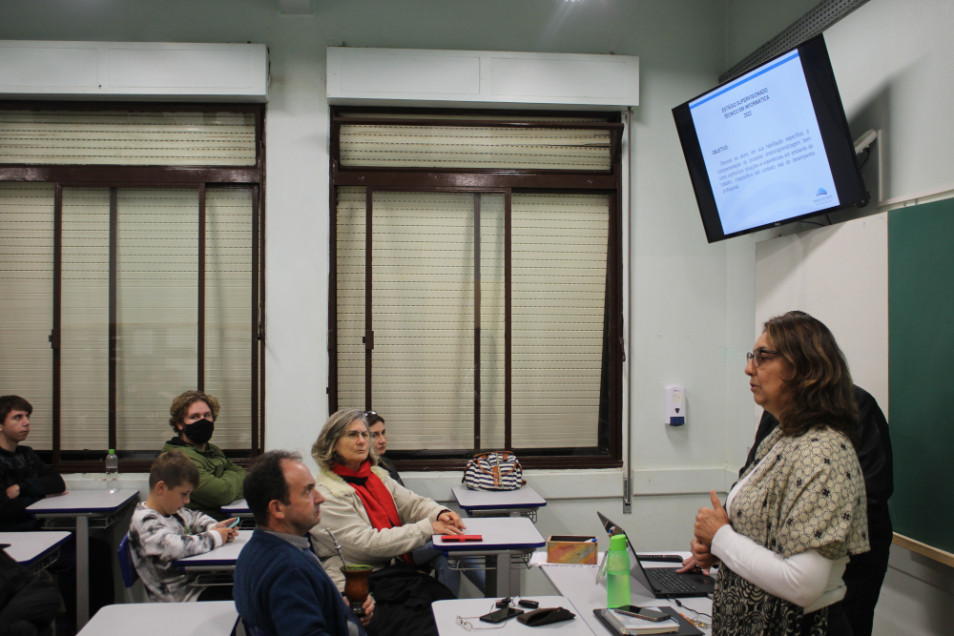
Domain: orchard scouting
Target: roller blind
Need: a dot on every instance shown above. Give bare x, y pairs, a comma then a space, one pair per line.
145, 299
127, 138
427, 264
157, 312
448, 146
476, 314
26, 287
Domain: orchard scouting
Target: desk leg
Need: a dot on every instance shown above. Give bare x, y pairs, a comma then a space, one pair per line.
503, 575
82, 571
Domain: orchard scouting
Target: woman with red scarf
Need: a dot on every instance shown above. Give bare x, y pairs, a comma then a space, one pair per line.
375, 520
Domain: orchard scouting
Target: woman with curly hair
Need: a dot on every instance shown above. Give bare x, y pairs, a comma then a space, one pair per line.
798, 512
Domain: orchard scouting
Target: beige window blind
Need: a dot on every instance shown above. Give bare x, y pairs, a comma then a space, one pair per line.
144, 242
467, 147
127, 138
26, 287
424, 277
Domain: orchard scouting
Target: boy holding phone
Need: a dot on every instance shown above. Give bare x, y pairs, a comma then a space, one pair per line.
163, 530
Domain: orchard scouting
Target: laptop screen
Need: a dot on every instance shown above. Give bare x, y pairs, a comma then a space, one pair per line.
613, 528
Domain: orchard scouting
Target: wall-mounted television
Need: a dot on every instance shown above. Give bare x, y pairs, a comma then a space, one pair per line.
771, 146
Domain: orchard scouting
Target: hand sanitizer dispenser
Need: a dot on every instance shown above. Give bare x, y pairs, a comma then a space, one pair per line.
675, 405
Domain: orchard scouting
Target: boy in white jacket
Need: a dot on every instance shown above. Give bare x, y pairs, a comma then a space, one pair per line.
163, 530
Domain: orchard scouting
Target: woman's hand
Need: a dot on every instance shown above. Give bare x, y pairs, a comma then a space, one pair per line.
701, 559
708, 521
442, 527
451, 518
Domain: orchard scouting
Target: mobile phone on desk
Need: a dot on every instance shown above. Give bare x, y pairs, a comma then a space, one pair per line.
501, 615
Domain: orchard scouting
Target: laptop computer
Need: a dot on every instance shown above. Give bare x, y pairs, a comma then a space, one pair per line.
662, 582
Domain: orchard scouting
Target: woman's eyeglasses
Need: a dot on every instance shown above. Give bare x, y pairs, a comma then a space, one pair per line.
759, 356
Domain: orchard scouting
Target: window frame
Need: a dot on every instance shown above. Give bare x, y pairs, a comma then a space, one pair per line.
115, 177
492, 180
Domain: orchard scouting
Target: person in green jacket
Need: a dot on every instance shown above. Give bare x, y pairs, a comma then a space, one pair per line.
192, 416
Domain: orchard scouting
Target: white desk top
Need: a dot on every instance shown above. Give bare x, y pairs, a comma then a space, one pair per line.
27, 547
208, 618
75, 502
237, 507
223, 557
446, 613
578, 582
499, 533
525, 497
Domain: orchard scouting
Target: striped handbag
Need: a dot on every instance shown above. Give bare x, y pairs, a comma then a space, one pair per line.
496, 470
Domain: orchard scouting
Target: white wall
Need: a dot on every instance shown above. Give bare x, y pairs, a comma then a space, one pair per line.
692, 305
894, 63
677, 331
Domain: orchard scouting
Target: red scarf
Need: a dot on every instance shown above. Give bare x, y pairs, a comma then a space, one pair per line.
374, 495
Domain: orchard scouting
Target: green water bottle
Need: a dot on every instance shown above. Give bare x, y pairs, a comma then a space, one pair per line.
617, 572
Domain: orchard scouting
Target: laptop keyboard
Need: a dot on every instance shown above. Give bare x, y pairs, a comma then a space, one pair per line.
668, 580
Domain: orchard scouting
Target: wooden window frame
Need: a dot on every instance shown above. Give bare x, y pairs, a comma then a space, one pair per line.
492, 180
116, 177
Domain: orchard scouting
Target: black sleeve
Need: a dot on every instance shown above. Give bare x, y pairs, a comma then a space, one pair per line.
766, 425
876, 459
11, 510
42, 479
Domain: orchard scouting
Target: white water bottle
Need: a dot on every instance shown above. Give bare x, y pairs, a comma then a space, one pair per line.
112, 471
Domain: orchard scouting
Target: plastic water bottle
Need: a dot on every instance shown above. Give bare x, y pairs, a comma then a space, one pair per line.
617, 572
112, 471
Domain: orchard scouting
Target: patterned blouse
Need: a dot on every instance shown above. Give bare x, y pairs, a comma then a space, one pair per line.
804, 492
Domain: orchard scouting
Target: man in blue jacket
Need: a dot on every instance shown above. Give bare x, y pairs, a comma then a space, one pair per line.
281, 588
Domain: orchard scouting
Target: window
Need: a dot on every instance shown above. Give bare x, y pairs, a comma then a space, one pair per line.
476, 299
130, 267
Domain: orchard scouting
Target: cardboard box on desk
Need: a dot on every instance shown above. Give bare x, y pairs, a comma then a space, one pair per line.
571, 549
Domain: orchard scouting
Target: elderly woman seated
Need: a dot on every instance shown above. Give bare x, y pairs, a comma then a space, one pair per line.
375, 520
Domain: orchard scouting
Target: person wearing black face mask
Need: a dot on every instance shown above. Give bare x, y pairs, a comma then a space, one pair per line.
192, 416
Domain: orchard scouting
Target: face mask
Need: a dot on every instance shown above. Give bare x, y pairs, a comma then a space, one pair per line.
199, 432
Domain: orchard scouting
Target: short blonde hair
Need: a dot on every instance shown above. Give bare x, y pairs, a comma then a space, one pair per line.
323, 450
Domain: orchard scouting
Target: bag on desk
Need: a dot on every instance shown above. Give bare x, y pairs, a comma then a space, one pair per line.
498, 470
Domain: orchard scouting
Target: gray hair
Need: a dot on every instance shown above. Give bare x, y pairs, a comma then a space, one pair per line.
323, 450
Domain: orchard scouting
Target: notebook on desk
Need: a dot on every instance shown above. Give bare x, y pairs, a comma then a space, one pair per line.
662, 582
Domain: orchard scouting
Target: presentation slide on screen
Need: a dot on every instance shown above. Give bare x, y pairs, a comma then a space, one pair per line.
763, 151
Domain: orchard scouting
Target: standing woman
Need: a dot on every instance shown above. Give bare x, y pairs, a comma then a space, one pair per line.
798, 512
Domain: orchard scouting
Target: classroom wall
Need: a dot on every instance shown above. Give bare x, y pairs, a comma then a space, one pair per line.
681, 327
894, 63
691, 308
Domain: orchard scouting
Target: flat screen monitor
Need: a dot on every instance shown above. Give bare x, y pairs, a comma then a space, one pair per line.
771, 146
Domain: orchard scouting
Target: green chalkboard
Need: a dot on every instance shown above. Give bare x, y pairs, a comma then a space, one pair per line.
921, 375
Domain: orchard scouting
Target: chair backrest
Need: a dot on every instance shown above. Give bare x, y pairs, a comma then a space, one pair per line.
126, 566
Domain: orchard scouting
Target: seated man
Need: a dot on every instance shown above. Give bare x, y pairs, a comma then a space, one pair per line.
192, 416
24, 478
280, 587
162, 530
